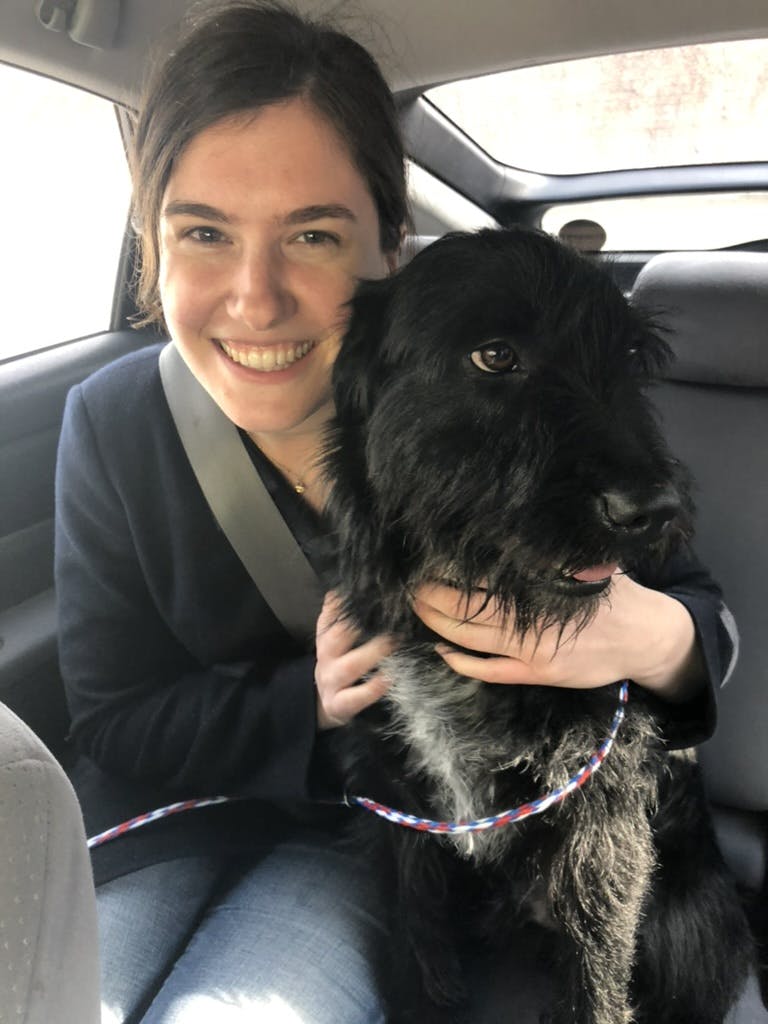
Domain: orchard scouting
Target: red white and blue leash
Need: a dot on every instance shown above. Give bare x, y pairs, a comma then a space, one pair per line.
150, 816
538, 806
527, 810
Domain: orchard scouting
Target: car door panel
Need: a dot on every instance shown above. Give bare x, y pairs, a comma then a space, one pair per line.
33, 390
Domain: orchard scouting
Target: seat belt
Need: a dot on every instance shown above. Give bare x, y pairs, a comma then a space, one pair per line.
240, 502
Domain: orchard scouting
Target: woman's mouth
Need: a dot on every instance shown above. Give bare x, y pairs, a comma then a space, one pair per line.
267, 359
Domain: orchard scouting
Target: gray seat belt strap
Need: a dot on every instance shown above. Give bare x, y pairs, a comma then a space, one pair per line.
239, 500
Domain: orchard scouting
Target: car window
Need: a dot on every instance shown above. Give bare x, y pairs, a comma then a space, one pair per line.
667, 107
65, 190
437, 208
707, 220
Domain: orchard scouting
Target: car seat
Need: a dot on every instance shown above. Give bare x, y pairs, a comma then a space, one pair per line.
714, 404
49, 971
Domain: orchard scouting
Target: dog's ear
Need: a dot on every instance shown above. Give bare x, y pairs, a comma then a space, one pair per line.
360, 366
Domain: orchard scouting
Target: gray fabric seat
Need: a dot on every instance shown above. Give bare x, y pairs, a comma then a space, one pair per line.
714, 403
48, 934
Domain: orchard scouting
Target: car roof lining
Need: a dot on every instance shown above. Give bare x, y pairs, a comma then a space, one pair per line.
416, 43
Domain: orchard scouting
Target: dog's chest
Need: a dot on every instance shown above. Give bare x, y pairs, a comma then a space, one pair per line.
443, 720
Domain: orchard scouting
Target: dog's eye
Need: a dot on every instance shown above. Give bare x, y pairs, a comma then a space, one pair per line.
637, 359
495, 357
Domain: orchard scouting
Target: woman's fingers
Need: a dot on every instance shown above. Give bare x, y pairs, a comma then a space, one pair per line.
360, 661
347, 703
345, 670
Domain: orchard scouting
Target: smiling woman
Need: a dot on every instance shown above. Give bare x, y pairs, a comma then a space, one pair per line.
257, 262
257, 215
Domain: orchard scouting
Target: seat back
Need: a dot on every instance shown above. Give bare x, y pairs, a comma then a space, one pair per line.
714, 404
49, 967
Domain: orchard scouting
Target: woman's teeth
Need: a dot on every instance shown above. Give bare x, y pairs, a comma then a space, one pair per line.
267, 360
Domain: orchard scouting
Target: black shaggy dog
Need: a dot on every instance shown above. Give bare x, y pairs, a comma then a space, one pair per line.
492, 431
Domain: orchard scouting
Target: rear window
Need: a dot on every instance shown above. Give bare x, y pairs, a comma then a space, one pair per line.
675, 106
713, 220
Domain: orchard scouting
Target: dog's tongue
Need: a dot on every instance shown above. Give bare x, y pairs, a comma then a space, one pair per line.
595, 572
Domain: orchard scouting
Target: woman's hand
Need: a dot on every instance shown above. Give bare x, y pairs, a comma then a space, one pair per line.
636, 633
342, 663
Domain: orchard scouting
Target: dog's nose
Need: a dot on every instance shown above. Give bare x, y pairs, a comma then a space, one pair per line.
639, 516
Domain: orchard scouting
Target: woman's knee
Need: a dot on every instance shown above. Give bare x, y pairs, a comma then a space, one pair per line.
145, 920
293, 939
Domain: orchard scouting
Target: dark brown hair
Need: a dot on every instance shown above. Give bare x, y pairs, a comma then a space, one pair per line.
241, 56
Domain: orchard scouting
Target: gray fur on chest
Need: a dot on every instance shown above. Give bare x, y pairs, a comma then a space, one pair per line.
454, 738
443, 720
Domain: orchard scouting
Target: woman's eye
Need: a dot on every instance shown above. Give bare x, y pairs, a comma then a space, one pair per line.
495, 357
207, 236
314, 238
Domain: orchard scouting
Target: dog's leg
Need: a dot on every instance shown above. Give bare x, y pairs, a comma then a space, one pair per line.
694, 944
425, 982
598, 885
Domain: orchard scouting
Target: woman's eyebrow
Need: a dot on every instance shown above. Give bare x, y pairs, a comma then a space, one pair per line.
182, 207
320, 212
303, 215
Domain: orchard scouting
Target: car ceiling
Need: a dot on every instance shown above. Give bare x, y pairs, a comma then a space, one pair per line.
419, 42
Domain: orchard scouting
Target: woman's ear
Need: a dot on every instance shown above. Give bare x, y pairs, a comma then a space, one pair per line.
360, 365
394, 257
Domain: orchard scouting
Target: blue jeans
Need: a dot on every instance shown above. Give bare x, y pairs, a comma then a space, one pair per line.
284, 939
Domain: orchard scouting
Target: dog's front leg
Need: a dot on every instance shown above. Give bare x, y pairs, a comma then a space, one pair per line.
599, 880
425, 984
694, 947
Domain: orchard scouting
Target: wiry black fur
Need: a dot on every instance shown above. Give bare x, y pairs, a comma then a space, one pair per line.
503, 480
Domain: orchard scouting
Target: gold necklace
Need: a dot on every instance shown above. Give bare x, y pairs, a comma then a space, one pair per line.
296, 483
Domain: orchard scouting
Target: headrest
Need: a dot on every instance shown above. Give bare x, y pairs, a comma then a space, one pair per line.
716, 306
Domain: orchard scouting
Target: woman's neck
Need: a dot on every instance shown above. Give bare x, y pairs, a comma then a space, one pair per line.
296, 455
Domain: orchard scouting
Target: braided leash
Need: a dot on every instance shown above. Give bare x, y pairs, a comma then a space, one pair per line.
150, 816
410, 820
517, 813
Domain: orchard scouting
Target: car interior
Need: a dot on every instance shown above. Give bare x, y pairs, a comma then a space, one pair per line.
687, 238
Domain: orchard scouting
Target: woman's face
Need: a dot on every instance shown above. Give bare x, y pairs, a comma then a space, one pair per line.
266, 226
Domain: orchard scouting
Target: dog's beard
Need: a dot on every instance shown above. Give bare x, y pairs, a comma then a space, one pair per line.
532, 585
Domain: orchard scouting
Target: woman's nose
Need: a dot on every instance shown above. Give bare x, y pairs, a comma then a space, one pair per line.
260, 295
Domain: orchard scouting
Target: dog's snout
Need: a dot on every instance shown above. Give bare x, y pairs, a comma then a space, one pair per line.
639, 516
